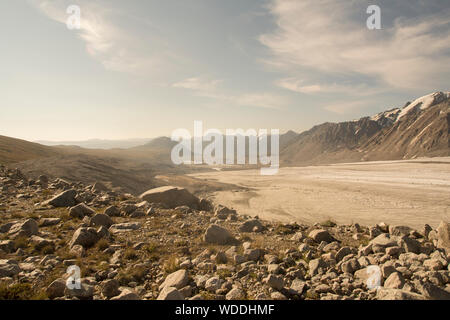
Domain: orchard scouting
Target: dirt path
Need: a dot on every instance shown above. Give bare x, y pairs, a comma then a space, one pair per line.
411, 192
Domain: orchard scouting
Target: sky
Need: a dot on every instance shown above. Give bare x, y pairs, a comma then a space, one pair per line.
141, 69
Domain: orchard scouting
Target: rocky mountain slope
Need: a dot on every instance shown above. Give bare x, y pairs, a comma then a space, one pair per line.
421, 128
131, 248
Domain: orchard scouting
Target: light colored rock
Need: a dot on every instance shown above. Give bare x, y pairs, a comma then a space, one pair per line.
170, 293
394, 281
177, 279
171, 196
274, 282
443, 236
397, 294
235, 294
127, 294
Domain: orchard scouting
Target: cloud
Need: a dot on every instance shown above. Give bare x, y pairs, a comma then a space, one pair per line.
301, 86
209, 89
116, 48
197, 83
326, 39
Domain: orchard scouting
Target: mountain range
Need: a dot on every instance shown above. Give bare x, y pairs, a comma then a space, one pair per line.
420, 128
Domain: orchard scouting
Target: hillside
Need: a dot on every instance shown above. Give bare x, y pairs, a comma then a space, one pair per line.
16, 150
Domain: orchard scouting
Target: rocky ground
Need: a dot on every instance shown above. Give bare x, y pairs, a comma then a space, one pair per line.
130, 247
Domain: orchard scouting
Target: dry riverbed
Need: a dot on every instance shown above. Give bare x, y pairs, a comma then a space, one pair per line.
410, 192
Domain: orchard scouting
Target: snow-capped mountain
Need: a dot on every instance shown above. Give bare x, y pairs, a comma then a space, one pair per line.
420, 128
387, 118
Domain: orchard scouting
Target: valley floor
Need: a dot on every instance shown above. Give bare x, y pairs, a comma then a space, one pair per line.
409, 192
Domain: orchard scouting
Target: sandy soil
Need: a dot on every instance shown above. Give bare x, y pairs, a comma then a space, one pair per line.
411, 192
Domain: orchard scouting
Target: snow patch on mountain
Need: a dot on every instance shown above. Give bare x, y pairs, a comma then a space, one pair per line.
424, 102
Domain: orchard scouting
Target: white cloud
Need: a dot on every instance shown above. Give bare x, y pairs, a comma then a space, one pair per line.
301, 86
114, 47
197, 83
323, 38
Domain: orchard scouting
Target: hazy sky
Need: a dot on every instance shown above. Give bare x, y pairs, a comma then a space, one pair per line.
144, 68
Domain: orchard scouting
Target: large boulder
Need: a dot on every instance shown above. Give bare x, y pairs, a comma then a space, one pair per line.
64, 199
443, 234
170, 196
86, 237
218, 235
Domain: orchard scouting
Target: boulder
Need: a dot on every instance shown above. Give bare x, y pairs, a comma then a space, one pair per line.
235, 294
315, 264
7, 246
110, 288
384, 240
86, 292
8, 268
124, 227
399, 231
177, 280
218, 235
64, 199
47, 222
275, 282
397, 294
56, 289
101, 219
320, 235
86, 237
127, 294
112, 211
394, 281
170, 293
171, 196
253, 225
26, 228
443, 236
99, 187
80, 211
